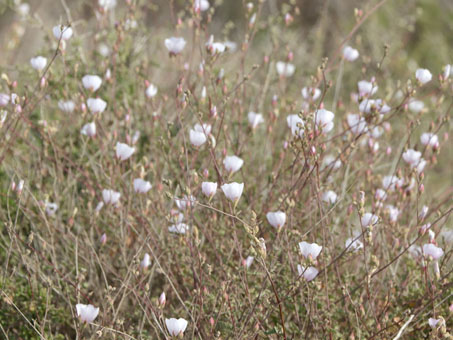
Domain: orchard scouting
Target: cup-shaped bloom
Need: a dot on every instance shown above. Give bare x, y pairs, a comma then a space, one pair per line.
110, 196
423, 212
433, 251
205, 128
416, 106
233, 191
209, 188
393, 212
176, 326
350, 54
107, 4
392, 182
448, 70
255, 119
124, 151
421, 166
232, 163
96, 105
285, 69
151, 91
308, 273
38, 63
197, 138
62, 32
366, 88
87, 313
296, 124
368, 219
276, 219
175, 45
4, 99
89, 129
202, 5
423, 75
51, 208
248, 261
412, 157
380, 195
141, 186
179, 228
185, 202
353, 244
324, 120
430, 139
66, 106
92, 82
329, 197
310, 249
310, 93
433, 322
146, 262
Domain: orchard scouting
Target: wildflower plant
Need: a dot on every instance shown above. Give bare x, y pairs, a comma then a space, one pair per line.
201, 178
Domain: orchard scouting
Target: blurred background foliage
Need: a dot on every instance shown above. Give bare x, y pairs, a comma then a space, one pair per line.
421, 29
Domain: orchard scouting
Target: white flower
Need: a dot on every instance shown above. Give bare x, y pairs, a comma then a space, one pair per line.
205, 128
276, 219
96, 105
248, 261
423, 212
309, 274
124, 151
368, 219
393, 213
447, 71
375, 105
324, 120
209, 188
416, 106
66, 106
310, 249
87, 313
179, 228
62, 32
110, 196
146, 262
429, 139
350, 54
141, 186
4, 99
51, 208
176, 326
232, 163
202, 5
329, 197
233, 191
38, 63
412, 157
23, 9
215, 47
423, 75
380, 195
285, 69
366, 88
107, 4
310, 93
392, 182
197, 138
357, 124
89, 129
99, 206
103, 50
435, 252
433, 322
185, 202
151, 91
330, 161
175, 45
421, 166
92, 82
231, 46
352, 245
255, 119
296, 124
